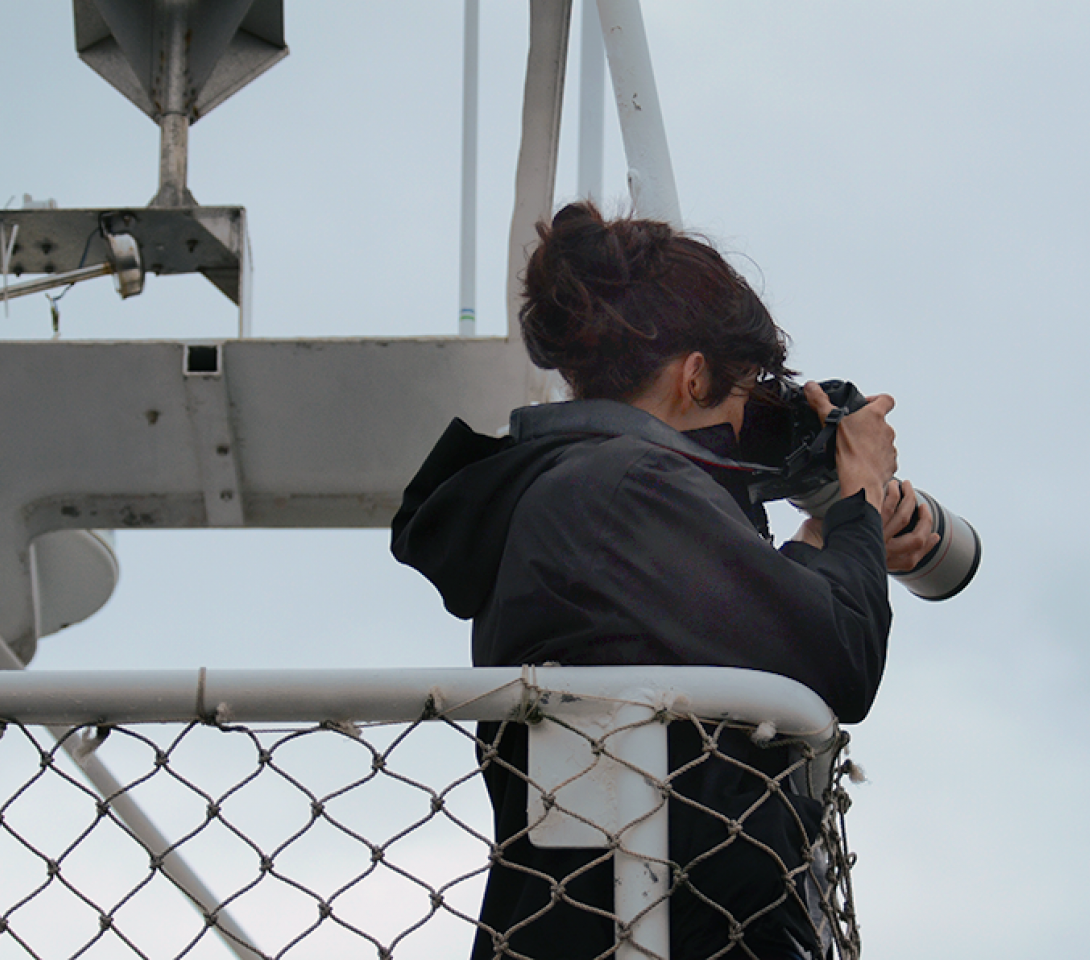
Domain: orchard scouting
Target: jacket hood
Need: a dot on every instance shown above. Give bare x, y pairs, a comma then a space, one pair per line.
456, 511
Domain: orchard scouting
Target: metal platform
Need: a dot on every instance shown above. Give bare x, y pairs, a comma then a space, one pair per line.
244, 433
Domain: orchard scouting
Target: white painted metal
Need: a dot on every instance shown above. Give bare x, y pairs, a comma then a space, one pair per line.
579, 818
172, 18
535, 175
230, 43
176, 60
124, 264
7, 246
641, 872
74, 573
327, 433
597, 796
127, 266
244, 280
482, 693
51, 282
650, 171
621, 702
102, 431
467, 292
212, 241
209, 410
8, 659
592, 80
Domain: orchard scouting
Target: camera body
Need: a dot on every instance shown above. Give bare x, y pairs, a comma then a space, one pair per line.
782, 431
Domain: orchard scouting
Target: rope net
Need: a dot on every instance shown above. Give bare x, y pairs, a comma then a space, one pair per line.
358, 839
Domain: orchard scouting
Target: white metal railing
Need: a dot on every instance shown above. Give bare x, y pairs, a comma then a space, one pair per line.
598, 776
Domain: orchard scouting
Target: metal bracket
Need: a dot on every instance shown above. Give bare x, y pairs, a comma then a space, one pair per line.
212, 241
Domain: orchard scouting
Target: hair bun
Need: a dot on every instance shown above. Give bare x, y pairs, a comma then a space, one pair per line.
608, 302
575, 279
604, 253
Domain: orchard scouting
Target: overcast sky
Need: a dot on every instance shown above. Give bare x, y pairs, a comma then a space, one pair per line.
905, 182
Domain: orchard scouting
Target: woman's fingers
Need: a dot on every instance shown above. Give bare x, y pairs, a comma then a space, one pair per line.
904, 550
897, 507
818, 399
865, 455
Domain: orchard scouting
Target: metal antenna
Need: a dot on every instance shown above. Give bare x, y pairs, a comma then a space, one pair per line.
467, 294
592, 88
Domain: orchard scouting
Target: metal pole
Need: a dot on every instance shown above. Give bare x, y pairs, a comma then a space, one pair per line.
467, 293
535, 176
28, 287
172, 17
171, 863
650, 172
130, 814
7, 247
478, 693
592, 82
641, 874
8, 659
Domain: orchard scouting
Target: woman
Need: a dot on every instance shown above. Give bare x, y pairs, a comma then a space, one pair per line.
616, 529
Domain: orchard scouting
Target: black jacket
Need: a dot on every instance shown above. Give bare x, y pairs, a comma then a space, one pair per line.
596, 534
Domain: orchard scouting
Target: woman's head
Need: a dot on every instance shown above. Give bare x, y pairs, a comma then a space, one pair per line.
610, 303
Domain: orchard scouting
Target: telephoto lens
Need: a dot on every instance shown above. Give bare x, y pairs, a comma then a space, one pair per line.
781, 431
951, 563
948, 567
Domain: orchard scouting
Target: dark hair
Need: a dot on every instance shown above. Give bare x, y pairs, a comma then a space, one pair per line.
608, 303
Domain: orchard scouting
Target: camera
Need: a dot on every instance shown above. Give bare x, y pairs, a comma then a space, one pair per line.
783, 432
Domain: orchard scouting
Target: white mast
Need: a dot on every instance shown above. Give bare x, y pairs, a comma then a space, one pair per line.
650, 172
467, 288
592, 83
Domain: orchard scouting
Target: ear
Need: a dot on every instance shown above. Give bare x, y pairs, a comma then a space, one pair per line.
693, 379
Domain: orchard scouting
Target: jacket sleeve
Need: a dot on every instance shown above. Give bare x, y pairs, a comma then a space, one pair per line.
853, 564
731, 599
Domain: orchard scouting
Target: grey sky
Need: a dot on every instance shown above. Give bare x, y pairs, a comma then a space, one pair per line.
905, 182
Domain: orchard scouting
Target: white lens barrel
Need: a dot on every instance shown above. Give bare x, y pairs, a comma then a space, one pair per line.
948, 568
817, 502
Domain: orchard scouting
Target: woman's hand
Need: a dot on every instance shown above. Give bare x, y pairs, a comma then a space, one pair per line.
905, 550
866, 458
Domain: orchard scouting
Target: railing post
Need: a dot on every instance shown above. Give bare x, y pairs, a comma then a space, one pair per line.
641, 871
